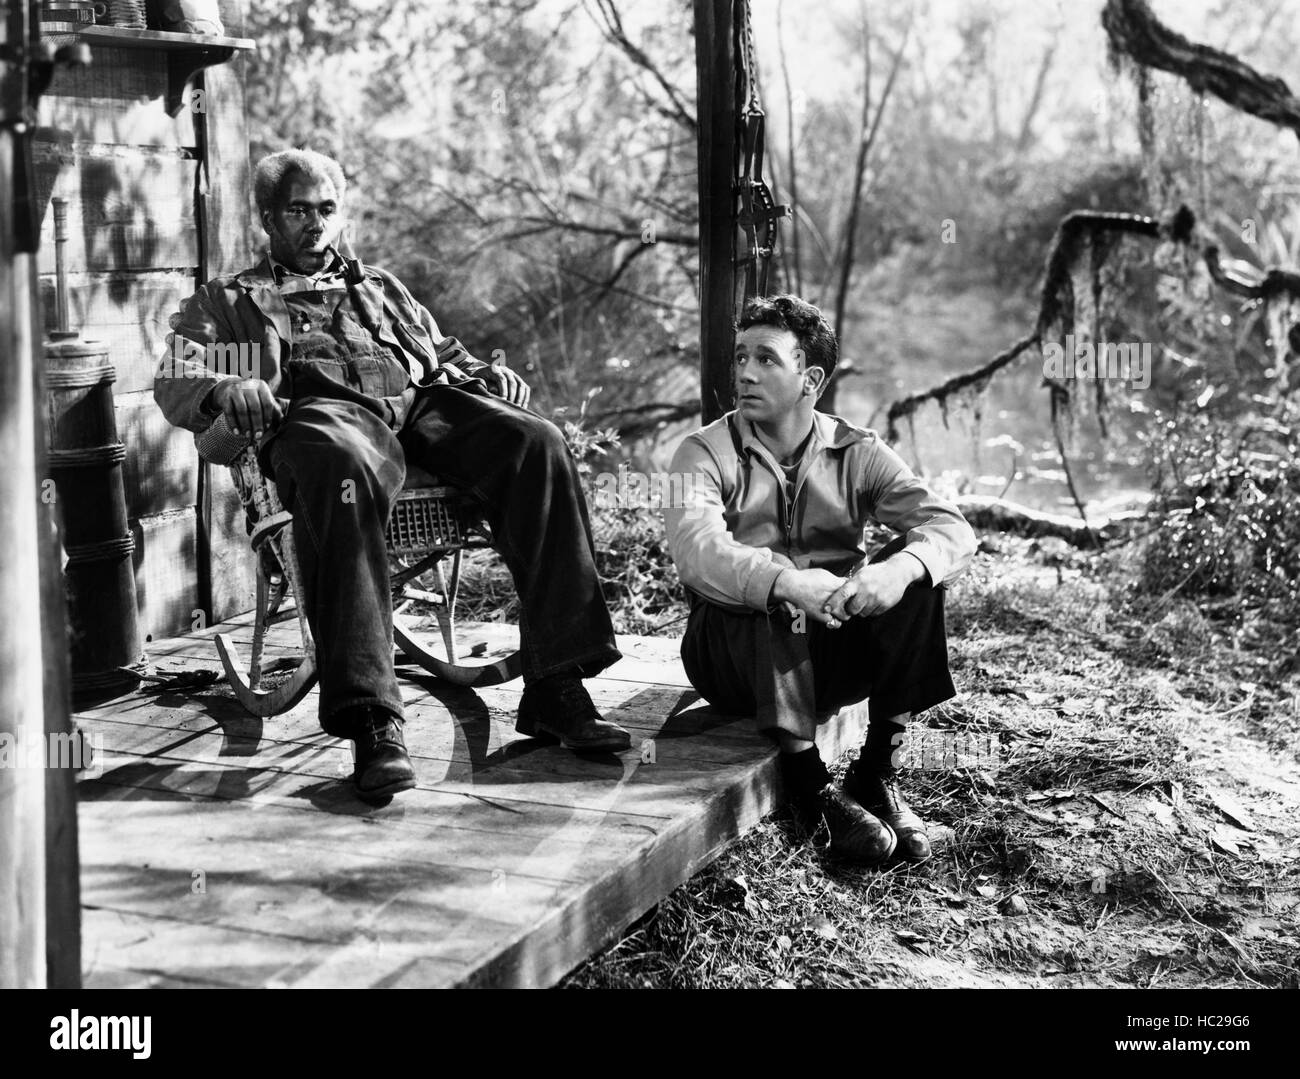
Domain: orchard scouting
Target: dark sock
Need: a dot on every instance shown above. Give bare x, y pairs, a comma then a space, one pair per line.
883, 746
805, 774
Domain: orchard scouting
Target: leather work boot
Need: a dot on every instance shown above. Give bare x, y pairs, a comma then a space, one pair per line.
877, 792
559, 709
383, 767
856, 835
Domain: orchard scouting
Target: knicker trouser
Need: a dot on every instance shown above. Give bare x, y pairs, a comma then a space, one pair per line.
756, 664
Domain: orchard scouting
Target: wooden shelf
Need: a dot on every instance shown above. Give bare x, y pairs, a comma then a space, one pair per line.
187, 54
122, 38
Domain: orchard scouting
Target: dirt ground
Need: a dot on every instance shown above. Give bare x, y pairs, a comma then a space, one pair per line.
1115, 800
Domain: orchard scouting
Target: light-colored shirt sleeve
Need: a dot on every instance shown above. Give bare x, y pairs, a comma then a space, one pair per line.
709, 560
937, 534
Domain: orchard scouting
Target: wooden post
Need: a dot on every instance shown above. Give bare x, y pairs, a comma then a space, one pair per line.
716, 113
227, 567
22, 707
62, 859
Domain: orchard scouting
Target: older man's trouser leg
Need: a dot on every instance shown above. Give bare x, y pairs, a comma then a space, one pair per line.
515, 463
338, 468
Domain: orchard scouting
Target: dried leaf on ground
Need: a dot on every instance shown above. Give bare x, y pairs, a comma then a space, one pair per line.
1226, 804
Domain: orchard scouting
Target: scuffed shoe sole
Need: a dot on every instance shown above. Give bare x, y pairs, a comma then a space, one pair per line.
612, 743
385, 792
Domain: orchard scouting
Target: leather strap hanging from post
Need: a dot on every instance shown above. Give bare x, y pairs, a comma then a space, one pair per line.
757, 212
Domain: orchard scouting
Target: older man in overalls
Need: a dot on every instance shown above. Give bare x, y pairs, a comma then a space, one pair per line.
355, 379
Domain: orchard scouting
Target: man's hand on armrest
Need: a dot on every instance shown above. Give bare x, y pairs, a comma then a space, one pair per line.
876, 587
248, 405
507, 385
808, 590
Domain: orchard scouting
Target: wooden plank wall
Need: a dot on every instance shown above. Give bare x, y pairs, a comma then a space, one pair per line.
224, 202
143, 211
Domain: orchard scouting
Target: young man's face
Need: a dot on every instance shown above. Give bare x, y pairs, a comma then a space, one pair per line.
307, 220
771, 379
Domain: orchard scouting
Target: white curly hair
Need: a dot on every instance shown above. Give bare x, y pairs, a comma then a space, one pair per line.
272, 172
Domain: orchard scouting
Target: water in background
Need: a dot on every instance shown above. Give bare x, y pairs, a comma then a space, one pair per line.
917, 341
1009, 449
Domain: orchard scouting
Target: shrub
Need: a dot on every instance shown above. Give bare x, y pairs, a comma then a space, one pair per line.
1228, 502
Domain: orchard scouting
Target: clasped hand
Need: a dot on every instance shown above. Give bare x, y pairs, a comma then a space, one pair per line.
872, 590
833, 600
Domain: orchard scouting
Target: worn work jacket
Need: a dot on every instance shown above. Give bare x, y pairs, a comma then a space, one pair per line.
247, 310
734, 517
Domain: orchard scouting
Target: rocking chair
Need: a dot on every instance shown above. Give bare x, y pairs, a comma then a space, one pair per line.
431, 524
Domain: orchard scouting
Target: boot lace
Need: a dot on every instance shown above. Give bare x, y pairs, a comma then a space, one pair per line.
382, 729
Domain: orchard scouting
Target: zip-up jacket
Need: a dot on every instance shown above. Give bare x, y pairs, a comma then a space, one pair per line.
247, 309
734, 515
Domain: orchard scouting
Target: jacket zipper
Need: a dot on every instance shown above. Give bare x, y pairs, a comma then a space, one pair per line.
784, 505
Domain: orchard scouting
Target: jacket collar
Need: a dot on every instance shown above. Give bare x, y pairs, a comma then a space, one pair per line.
262, 289
828, 432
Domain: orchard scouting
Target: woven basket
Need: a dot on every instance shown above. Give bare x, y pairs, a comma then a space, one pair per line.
128, 14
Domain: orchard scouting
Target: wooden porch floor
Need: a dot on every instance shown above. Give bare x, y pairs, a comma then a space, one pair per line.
221, 850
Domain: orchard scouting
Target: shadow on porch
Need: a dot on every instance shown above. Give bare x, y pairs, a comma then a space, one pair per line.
222, 850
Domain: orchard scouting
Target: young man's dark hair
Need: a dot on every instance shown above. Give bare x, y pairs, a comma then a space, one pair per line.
785, 312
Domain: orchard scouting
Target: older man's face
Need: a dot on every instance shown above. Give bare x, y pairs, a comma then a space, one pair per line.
307, 220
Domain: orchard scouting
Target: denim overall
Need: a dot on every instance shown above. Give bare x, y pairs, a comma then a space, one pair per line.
331, 344
339, 467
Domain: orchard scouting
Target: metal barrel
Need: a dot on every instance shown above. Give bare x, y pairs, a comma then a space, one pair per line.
85, 463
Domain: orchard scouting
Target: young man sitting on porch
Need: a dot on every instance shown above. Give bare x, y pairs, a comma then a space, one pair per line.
788, 620
351, 379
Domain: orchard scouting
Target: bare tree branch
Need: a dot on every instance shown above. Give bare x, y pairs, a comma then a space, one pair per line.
1036, 98
823, 246
849, 236
646, 418
538, 225
978, 377
1071, 232
612, 26
866, 141
1134, 31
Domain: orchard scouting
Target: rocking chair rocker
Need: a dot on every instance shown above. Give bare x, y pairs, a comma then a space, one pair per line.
431, 523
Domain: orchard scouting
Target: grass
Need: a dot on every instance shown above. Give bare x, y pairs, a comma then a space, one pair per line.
1102, 846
